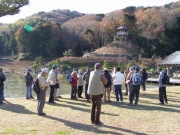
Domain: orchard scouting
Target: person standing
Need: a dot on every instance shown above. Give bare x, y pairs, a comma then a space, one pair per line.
119, 79
125, 75
52, 79
42, 95
96, 89
29, 82
108, 85
162, 86
86, 79
144, 78
60, 78
80, 83
129, 85
74, 85
136, 82
2, 79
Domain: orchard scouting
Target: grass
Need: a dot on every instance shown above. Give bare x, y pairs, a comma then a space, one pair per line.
70, 117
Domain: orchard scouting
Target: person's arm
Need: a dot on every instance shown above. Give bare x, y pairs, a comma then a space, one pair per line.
103, 79
3, 77
43, 82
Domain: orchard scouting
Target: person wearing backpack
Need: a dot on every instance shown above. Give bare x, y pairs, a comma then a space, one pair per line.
29, 82
107, 86
52, 78
2, 79
162, 86
144, 78
136, 82
119, 79
85, 77
41, 97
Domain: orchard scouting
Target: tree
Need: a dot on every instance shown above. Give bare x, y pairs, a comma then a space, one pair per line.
11, 7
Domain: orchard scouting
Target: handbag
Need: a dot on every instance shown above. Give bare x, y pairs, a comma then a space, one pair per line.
56, 85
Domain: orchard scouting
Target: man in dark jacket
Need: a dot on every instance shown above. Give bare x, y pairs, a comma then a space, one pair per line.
144, 78
108, 85
29, 81
2, 79
86, 79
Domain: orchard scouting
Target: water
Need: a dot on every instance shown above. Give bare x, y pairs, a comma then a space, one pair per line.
15, 86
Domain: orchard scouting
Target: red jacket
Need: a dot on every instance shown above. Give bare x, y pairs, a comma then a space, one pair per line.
74, 80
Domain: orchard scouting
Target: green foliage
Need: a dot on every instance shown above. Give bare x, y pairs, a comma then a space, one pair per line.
38, 63
106, 65
11, 7
68, 53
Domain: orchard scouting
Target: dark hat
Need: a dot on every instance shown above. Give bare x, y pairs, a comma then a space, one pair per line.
159, 69
29, 70
97, 65
136, 68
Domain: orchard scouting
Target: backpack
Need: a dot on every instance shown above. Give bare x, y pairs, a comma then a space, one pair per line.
36, 86
136, 79
165, 79
69, 79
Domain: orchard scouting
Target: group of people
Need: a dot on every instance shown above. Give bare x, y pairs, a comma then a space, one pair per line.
97, 83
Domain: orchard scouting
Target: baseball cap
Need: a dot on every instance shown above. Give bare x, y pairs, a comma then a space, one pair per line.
45, 70
136, 68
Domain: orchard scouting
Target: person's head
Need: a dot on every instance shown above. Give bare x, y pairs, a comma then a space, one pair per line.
74, 73
29, 70
45, 71
54, 67
118, 69
143, 69
131, 69
105, 69
159, 69
59, 70
137, 69
80, 71
1, 69
98, 66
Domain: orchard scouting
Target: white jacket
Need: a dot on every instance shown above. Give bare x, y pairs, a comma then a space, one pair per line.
52, 77
118, 78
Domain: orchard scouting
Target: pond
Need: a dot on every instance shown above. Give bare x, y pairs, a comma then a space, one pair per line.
15, 86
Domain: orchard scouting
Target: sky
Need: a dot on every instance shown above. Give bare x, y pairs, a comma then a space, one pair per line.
81, 6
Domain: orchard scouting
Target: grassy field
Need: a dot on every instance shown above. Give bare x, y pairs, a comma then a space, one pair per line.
70, 117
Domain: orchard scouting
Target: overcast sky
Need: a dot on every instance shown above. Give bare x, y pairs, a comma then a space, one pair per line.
82, 6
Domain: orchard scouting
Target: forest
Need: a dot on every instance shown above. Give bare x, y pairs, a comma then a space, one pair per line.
155, 30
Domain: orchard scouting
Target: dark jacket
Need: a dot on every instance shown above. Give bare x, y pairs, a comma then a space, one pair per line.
108, 77
28, 79
144, 74
2, 78
86, 76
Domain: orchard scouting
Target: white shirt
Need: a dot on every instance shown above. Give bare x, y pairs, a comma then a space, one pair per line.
118, 78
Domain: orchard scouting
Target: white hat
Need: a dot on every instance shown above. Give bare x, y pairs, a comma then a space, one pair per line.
45, 70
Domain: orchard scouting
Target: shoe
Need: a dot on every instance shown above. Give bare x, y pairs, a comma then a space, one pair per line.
120, 101
109, 101
130, 104
56, 99
41, 114
32, 97
161, 103
59, 97
98, 123
135, 104
166, 102
52, 102
27, 98
80, 97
